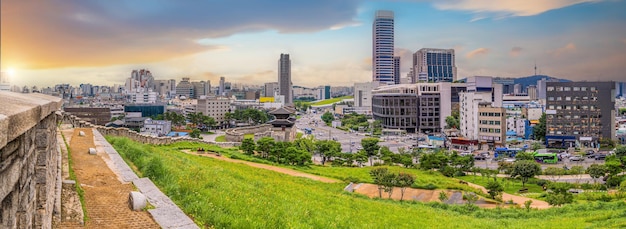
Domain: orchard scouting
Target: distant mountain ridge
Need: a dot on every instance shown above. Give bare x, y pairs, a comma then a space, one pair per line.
532, 80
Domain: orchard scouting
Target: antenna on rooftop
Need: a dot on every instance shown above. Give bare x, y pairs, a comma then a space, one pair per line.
535, 67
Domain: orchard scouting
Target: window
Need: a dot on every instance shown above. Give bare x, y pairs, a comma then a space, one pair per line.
550, 89
550, 98
567, 89
568, 98
576, 88
583, 89
559, 98
592, 89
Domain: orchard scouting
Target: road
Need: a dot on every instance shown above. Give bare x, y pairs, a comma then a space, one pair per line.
350, 142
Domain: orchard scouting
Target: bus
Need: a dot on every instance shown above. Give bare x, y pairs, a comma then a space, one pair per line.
506, 152
548, 158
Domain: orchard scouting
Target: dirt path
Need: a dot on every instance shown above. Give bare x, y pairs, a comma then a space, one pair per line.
106, 199
268, 167
538, 204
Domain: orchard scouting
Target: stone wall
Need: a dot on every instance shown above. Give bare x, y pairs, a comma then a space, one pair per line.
29, 158
237, 134
145, 139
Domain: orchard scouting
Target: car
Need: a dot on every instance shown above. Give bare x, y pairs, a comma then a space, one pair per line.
589, 152
466, 153
599, 156
575, 158
480, 157
509, 160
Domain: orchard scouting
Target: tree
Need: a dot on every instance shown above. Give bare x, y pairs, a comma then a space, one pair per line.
264, 145
524, 156
305, 143
195, 133
175, 118
452, 122
378, 175
559, 194
371, 147
328, 117
554, 173
596, 171
404, 180
527, 204
525, 170
536, 145
539, 131
248, 146
389, 182
470, 197
360, 157
327, 149
494, 188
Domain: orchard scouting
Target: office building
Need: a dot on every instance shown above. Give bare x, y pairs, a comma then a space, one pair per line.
222, 89
382, 47
532, 92
363, 95
200, 89
270, 89
215, 107
434, 65
421, 107
143, 110
284, 78
396, 70
480, 89
581, 112
184, 89
94, 115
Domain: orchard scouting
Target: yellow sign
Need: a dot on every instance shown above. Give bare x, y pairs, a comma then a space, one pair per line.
266, 99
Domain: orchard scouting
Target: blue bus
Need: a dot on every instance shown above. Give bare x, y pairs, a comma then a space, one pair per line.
506, 152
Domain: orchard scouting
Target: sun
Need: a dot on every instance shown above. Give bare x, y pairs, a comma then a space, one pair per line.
11, 72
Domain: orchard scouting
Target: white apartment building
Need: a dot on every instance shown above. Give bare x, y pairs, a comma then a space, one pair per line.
142, 97
480, 89
117, 110
156, 127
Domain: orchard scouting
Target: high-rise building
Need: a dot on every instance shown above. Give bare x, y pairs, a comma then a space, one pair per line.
184, 88
222, 88
434, 65
582, 112
200, 89
284, 78
382, 47
396, 70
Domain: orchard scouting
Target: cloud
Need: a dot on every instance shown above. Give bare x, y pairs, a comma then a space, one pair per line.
477, 53
515, 51
500, 9
56, 34
569, 48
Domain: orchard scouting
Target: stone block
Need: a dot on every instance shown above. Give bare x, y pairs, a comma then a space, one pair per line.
41, 138
136, 201
40, 175
8, 179
92, 151
81, 133
42, 156
41, 196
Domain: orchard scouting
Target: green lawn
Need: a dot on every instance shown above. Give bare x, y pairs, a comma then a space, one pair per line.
510, 185
231, 195
222, 138
331, 101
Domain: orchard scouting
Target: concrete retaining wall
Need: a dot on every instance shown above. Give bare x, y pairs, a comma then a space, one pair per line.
29, 159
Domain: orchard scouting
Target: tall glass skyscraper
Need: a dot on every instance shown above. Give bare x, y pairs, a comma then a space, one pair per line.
382, 47
284, 78
434, 65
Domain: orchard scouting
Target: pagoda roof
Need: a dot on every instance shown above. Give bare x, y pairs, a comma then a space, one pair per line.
280, 122
283, 111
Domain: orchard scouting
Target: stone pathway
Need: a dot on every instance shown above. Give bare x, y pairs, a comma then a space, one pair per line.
106, 198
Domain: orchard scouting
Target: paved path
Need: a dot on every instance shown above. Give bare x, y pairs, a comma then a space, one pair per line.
268, 167
106, 198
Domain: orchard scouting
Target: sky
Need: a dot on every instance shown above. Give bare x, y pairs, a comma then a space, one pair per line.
329, 41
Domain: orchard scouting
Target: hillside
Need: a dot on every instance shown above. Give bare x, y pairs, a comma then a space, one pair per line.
223, 194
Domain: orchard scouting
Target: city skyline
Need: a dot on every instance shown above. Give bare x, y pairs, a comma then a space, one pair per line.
46, 43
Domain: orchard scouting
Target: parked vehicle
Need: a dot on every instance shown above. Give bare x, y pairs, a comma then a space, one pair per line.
575, 158
599, 156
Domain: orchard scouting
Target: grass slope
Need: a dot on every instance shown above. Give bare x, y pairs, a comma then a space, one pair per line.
231, 195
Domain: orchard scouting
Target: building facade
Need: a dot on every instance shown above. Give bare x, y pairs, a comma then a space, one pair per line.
434, 65
396, 70
215, 107
271, 89
582, 112
184, 88
382, 47
491, 125
284, 78
156, 127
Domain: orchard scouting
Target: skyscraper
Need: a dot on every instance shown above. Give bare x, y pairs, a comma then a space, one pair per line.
434, 65
284, 78
382, 47
222, 88
396, 70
